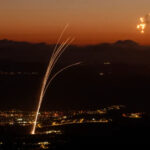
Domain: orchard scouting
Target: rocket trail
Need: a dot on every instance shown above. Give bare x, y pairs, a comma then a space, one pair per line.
57, 52
62, 50
65, 28
65, 68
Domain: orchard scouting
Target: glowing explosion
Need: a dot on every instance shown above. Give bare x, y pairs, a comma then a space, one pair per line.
143, 23
57, 52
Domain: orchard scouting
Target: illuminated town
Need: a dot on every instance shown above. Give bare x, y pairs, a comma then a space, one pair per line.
74, 74
54, 118
59, 118
53, 123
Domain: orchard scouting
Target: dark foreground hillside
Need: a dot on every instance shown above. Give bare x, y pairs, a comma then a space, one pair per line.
82, 136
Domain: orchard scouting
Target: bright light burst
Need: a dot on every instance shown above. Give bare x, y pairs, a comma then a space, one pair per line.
143, 23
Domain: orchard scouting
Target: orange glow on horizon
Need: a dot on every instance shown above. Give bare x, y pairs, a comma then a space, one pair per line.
81, 39
90, 22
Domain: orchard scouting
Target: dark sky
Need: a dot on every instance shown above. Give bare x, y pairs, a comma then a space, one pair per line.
125, 80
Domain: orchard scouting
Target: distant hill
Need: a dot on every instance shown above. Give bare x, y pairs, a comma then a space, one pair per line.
119, 52
127, 43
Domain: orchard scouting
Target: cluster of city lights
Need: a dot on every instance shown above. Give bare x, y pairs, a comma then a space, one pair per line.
60, 118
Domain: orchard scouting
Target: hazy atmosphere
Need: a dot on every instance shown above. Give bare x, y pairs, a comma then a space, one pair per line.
74, 74
90, 21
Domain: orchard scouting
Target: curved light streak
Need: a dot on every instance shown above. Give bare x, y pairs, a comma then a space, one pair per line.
61, 70
57, 52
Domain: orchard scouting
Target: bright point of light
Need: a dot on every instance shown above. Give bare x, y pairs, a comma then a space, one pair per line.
53, 131
45, 143
101, 73
142, 19
138, 26
107, 63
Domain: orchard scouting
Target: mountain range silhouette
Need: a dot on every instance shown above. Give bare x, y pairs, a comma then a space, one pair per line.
126, 51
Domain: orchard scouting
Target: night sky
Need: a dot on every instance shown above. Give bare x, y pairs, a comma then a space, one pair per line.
85, 62
91, 21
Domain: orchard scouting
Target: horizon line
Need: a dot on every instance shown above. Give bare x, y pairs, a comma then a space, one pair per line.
78, 45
